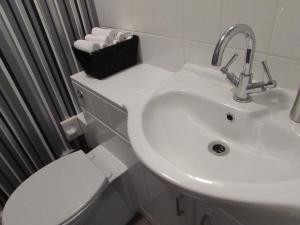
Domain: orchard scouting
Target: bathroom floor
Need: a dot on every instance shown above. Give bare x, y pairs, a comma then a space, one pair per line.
142, 221
139, 220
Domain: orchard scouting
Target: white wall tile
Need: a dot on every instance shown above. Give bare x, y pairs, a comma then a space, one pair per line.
159, 17
286, 35
155, 16
202, 20
142, 16
162, 52
256, 13
168, 17
115, 13
201, 54
177, 31
286, 72
198, 53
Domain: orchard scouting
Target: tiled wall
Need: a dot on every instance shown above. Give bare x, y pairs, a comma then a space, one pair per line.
174, 32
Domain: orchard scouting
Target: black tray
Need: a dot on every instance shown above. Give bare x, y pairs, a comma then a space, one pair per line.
107, 61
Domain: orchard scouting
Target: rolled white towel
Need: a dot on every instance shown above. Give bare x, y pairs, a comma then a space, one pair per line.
87, 46
101, 31
102, 44
91, 37
114, 42
123, 36
100, 38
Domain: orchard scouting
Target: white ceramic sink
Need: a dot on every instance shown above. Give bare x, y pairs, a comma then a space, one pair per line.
172, 125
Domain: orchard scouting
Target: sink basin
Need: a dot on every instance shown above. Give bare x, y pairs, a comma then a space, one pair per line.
180, 127
189, 131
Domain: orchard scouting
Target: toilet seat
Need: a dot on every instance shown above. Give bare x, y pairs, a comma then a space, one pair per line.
57, 193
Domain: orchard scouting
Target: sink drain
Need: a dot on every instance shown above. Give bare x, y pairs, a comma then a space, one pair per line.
218, 148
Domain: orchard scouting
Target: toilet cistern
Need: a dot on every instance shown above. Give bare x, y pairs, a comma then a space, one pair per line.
243, 83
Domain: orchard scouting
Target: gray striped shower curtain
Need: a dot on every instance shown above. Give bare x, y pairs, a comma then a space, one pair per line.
35, 90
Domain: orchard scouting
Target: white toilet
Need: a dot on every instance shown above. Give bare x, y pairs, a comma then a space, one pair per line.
63, 192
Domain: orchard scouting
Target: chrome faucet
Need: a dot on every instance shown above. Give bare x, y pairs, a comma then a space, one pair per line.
243, 84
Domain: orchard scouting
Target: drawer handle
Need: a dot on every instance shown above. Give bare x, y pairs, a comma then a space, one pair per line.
179, 205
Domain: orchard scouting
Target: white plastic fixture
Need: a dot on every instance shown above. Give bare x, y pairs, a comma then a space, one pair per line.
56, 193
172, 125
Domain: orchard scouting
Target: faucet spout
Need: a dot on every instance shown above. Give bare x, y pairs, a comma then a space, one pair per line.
243, 84
226, 38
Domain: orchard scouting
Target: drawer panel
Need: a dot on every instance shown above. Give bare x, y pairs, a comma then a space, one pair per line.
113, 116
117, 119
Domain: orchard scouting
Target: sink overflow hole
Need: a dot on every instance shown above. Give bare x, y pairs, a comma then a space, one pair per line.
218, 148
230, 117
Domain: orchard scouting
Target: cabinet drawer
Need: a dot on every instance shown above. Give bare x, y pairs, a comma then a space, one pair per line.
113, 116
117, 120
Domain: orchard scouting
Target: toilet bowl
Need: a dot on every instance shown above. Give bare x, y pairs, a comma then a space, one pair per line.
62, 193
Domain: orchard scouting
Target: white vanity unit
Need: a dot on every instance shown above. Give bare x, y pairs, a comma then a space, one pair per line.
187, 187
102, 102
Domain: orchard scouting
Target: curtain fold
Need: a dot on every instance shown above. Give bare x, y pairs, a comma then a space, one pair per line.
35, 88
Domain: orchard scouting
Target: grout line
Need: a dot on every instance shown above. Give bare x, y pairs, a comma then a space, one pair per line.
183, 40
273, 28
212, 45
240, 49
183, 34
284, 57
183, 20
221, 17
147, 33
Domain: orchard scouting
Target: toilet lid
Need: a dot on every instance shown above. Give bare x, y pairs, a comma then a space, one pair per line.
56, 193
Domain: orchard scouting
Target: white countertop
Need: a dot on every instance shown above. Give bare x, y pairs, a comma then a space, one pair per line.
125, 84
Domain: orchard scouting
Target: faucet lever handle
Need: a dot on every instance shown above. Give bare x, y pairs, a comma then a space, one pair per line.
232, 59
267, 70
272, 83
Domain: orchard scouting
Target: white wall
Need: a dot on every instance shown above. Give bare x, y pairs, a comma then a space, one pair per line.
177, 31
